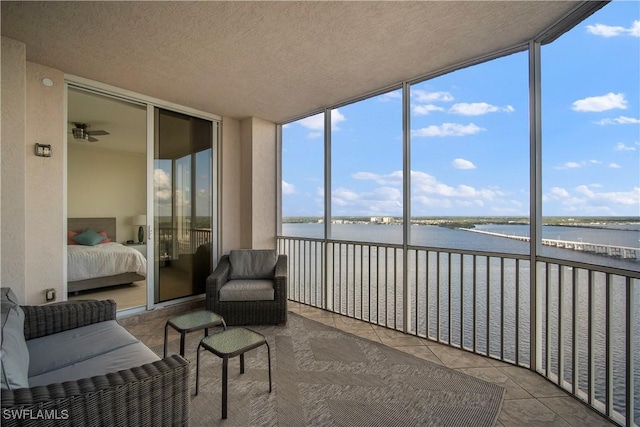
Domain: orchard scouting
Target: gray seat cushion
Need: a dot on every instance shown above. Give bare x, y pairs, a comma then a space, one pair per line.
247, 290
53, 352
130, 356
14, 354
252, 264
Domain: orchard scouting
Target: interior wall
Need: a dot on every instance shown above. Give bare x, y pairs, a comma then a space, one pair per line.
12, 171
106, 183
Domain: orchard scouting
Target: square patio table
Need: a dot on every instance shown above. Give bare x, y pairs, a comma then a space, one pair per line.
190, 322
227, 344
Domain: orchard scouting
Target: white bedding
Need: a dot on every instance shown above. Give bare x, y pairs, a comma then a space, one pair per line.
106, 259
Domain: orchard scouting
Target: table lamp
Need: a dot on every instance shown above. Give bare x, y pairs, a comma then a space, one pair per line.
140, 220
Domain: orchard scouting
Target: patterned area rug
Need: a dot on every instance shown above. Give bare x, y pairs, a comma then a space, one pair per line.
326, 377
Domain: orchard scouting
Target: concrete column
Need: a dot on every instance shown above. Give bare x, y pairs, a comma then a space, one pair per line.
12, 170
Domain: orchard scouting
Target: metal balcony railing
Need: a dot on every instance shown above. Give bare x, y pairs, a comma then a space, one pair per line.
174, 242
585, 337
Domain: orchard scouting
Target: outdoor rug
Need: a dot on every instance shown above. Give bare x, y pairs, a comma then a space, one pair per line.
326, 377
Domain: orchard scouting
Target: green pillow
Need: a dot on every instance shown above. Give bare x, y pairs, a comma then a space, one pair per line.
89, 237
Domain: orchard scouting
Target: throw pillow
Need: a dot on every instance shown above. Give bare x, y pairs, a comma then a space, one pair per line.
252, 264
106, 238
70, 236
14, 354
89, 238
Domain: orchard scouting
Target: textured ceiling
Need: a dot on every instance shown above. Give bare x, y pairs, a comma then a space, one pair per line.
273, 60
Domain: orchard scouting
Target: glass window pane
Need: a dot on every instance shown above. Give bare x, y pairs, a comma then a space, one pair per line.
185, 244
470, 157
591, 140
303, 177
366, 170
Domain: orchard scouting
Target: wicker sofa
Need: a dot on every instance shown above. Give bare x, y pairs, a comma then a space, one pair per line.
249, 287
151, 394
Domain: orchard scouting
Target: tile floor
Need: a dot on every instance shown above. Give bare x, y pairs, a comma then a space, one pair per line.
530, 400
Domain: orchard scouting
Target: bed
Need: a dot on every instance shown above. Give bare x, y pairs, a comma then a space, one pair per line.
104, 264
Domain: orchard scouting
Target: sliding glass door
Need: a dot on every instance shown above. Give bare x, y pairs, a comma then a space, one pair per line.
184, 204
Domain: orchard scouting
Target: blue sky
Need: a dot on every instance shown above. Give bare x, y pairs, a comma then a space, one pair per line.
470, 136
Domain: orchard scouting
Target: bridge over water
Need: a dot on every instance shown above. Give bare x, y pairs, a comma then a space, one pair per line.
595, 248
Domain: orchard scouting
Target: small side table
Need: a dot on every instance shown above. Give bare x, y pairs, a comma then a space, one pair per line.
227, 344
190, 322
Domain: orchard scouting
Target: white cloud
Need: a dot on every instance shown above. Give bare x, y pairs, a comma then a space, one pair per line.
394, 178
601, 103
288, 188
314, 135
478, 108
386, 198
614, 30
586, 199
316, 122
628, 198
614, 166
462, 164
390, 96
571, 165
424, 96
423, 110
447, 129
423, 185
559, 192
621, 147
162, 184
622, 120
576, 165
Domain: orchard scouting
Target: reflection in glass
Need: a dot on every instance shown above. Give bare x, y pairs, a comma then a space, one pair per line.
183, 204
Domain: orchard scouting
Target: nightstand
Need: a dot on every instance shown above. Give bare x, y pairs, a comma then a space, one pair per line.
140, 247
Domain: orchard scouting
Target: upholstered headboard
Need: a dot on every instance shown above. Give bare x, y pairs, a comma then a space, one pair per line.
96, 224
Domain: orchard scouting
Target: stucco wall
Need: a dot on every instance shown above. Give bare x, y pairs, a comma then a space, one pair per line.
44, 184
107, 183
12, 167
263, 183
230, 200
32, 211
258, 177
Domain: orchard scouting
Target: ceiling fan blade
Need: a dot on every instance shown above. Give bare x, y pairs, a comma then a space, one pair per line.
97, 132
91, 139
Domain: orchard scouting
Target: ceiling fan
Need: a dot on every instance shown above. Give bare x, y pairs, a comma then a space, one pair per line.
80, 131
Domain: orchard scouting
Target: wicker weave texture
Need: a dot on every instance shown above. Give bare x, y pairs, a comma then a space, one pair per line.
154, 394
249, 312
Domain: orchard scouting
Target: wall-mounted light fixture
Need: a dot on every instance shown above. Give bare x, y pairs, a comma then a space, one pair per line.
43, 150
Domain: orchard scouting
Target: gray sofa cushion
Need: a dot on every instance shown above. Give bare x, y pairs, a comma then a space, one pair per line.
127, 357
252, 264
53, 352
247, 290
14, 354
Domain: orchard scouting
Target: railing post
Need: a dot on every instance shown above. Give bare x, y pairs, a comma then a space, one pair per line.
406, 198
629, 404
535, 200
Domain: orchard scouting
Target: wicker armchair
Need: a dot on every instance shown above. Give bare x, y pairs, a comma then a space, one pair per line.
249, 309
154, 394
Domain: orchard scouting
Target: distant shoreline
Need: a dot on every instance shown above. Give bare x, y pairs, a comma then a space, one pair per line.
472, 221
